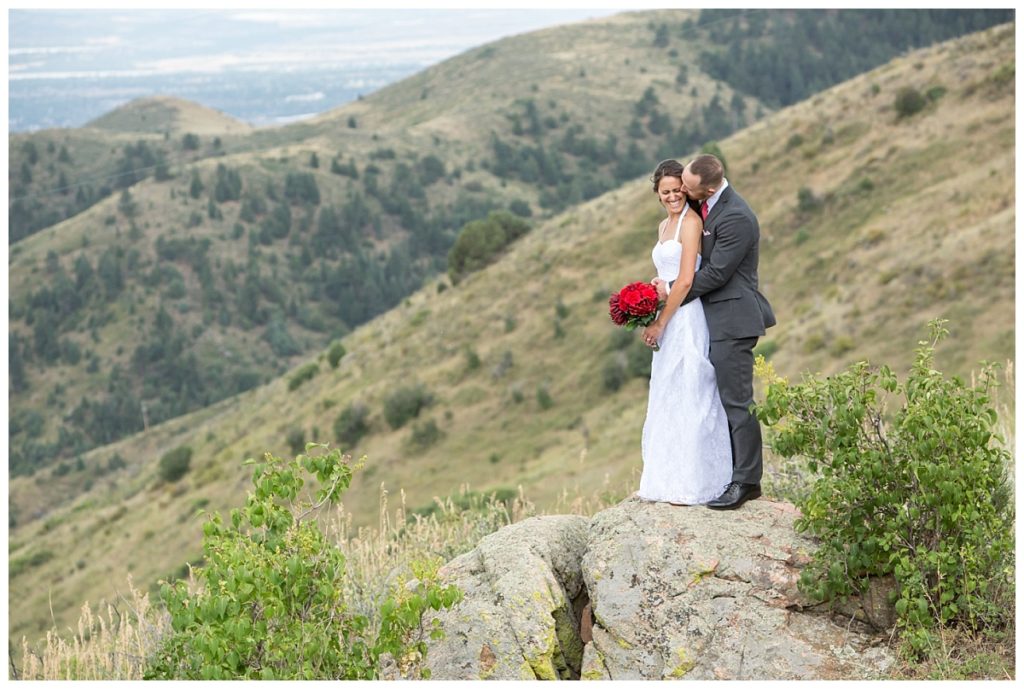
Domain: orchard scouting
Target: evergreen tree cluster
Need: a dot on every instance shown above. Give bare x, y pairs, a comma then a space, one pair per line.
782, 57
50, 185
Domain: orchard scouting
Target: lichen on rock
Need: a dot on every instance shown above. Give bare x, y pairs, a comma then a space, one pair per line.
669, 593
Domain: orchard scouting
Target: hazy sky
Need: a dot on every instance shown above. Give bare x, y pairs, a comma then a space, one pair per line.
266, 66
62, 44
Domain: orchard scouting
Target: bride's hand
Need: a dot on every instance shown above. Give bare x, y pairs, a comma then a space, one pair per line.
662, 288
653, 333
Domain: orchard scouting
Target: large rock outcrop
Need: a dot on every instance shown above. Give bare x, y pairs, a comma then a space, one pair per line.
710, 595
647, 591
523, 600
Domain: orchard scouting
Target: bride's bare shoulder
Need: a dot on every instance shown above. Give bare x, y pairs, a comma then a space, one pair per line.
693, 220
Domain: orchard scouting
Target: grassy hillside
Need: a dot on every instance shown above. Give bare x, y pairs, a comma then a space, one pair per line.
870, 227
199, 258
232, 255
166, 114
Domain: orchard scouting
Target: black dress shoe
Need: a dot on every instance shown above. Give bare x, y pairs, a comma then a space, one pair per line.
735, 495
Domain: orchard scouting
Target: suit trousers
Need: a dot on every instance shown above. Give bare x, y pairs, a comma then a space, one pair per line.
734, 369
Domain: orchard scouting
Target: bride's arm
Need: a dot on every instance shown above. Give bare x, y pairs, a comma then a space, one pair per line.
691, 236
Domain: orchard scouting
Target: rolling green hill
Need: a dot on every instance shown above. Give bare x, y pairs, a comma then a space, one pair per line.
169, 256
218, 258
870, 227
169, 115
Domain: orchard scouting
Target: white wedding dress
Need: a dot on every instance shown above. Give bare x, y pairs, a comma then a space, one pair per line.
686, 446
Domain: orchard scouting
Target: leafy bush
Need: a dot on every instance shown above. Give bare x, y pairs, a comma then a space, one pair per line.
302, 375
406, 403
351, 425
296, 440
430, 169
806, 201
766, 348
919, 493
424, 434
613, 375
544, 398
481, 241
909, 101
472, 358
22, 564
175, 464
271, 604
335, 353
639, 360
301, 187
520, 208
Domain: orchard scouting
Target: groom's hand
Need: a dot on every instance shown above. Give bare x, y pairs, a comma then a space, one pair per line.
662, 288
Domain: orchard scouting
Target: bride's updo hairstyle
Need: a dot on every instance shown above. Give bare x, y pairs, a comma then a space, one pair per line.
666, 168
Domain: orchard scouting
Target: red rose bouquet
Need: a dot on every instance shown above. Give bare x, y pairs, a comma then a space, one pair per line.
634, 305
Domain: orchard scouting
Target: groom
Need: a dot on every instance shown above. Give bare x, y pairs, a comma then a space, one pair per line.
736, 312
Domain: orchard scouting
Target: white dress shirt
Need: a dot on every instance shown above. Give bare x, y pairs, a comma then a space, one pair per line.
712, 200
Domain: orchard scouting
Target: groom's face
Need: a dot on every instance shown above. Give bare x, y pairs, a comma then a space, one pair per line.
693, 187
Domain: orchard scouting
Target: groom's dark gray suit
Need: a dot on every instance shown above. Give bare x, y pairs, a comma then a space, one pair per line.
737, 314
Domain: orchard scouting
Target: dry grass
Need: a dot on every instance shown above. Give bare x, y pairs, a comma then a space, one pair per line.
829, 289
116, 647
111, 647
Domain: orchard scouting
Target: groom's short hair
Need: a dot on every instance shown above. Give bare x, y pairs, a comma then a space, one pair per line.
709, 169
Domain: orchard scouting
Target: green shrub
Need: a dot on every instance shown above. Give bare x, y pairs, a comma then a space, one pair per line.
405, 403
472, 358
270, 605
639, 360
544, 398
520, 208
909, 101
481, 241
806, 201
335, 354
175, 463
813, 343
918, 492
27, 562
302, 375
620, 338
296, 440
424, 434
766, 348
841, 345
613, 375
115, 462
351, 424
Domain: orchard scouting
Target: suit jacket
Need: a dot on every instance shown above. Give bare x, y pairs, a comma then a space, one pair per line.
727, 280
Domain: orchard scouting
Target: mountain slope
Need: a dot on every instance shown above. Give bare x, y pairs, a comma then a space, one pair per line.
203, 259
160, 114
886, 237
171, 290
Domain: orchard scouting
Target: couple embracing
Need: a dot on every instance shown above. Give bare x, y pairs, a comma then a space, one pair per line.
701, 443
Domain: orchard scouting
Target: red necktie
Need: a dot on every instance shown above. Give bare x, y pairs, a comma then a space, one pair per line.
704, 211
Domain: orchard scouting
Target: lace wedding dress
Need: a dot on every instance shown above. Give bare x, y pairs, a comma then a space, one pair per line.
686, 446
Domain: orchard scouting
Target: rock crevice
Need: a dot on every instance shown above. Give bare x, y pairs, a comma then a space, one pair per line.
667, 593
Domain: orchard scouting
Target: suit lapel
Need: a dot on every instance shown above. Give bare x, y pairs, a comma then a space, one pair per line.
707, 244
719, 207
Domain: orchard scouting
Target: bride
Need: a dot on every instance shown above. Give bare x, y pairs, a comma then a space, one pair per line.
686, 447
